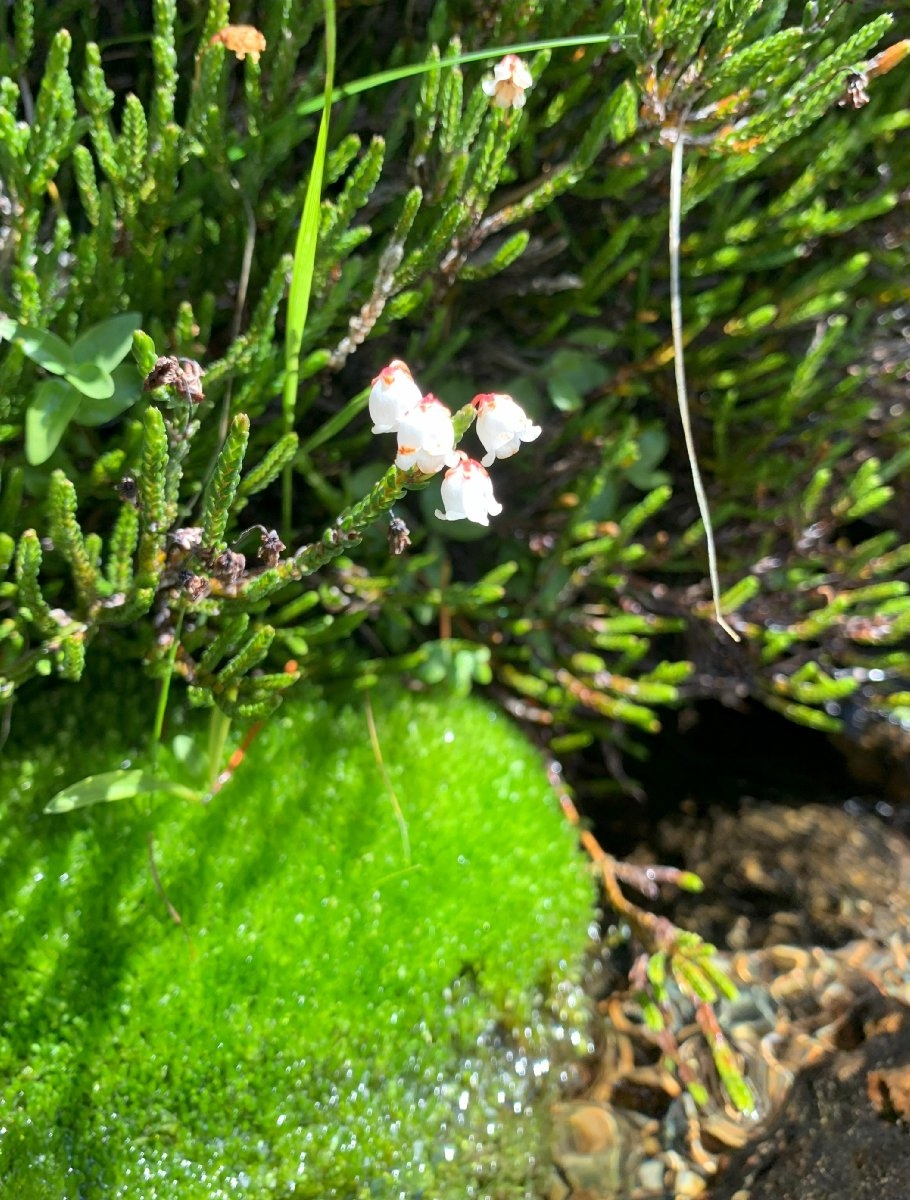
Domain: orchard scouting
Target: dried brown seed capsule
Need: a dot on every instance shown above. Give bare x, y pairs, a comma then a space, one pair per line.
399, 536
228, 567
270, 547
184, 374
128, 490
194, 585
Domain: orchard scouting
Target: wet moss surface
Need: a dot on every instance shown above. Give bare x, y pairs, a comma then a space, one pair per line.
333, 1017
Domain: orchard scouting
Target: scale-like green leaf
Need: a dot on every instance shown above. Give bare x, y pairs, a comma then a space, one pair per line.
222, 489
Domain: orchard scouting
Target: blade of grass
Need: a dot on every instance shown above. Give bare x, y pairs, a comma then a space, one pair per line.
380, 762
494, 53
304, 260
219, 728
164, 692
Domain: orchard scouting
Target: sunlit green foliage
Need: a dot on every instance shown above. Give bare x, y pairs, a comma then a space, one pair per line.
493, 249
521, 251
153, 185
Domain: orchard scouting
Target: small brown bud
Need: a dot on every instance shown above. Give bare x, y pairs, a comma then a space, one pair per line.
855, 94
194, 585
228, 567
128, 491
270, 547
399, 536
184, 374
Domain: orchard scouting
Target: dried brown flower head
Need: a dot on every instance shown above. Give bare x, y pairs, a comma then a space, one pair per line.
184, 374
241, 40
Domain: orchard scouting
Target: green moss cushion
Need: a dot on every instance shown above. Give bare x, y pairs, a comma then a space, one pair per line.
342, 1011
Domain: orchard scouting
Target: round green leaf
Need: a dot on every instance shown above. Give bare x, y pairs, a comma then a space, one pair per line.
127, 390
47, 417
91, 380
44, 348
107, 343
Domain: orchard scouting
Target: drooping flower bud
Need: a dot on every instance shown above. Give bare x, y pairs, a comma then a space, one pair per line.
502, 425
467, 493
426, 437
508, 83
393, 395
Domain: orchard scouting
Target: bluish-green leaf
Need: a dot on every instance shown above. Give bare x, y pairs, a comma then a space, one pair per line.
41, 346
91, 380
107, 344
111, 786
571, 375
47, 417
127, 390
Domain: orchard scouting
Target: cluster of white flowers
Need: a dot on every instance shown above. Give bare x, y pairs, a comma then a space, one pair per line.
426, 440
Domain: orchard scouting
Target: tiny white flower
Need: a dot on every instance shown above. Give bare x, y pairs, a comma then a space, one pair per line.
393, 395
508, 83
502, 425
467, 493
426, 437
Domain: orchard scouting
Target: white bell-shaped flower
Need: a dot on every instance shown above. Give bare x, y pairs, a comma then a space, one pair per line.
426, 437
508, 83
467, 493
502, 425
393, 395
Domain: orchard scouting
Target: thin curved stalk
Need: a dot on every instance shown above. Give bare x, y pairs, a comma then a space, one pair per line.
679, 367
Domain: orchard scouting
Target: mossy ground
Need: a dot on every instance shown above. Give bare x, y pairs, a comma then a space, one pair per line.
324, 1022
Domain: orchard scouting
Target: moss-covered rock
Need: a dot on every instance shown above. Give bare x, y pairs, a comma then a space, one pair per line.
334, 1016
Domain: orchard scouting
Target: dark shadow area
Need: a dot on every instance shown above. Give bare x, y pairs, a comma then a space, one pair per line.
709, 755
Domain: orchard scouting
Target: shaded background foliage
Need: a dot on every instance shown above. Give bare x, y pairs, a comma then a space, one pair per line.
536, 262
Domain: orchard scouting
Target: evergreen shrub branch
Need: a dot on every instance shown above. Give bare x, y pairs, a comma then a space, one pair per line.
136, 203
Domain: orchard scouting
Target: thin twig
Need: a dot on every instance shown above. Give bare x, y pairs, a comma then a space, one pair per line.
679, 367
156, 879
243, 283
159, 887
6, 723
165, 688
654, 933
396, 807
